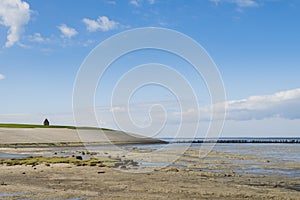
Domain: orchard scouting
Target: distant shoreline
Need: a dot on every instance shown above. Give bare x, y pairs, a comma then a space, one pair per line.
291, 140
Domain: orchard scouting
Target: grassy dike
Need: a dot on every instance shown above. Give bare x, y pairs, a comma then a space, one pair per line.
51, 126
30, 135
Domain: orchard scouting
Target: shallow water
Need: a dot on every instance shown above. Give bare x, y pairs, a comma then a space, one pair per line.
276, 154
4, 195
10, 155
279, 152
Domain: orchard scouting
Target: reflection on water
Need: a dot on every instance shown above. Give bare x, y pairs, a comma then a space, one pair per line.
276, 155
10, 156
279, 152
3, 195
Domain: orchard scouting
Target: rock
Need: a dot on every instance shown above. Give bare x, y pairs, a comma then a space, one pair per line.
79, 157
118, 164
101, 172
172, 170
133, 163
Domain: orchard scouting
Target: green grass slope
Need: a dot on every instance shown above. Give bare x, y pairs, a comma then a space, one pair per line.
51, 126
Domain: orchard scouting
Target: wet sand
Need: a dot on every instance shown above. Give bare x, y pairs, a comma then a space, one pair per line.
213, 177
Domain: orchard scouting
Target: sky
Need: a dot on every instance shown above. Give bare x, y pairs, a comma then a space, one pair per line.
255, 45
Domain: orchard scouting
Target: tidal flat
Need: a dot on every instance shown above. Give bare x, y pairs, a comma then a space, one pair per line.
104, 173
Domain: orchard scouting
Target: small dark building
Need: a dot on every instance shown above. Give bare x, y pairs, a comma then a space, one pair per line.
46, 122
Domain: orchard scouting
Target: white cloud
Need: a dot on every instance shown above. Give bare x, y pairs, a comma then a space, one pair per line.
91, 25
103, 23
215, 1
239, 3
14, 14
2, 76
88, 42
111, 2
67, 31
37, 37
245, 3
118, 109
138, 3
135, 2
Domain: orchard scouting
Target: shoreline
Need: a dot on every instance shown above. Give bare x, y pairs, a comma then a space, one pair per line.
231, 140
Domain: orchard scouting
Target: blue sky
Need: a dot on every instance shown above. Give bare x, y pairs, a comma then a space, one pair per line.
254, 43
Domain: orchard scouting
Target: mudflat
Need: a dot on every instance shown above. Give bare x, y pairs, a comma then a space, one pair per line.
190, 177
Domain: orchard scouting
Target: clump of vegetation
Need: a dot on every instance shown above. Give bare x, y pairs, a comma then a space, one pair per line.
101, 162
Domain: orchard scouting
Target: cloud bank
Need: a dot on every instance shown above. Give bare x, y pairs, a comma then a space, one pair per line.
14, 14
285, 104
